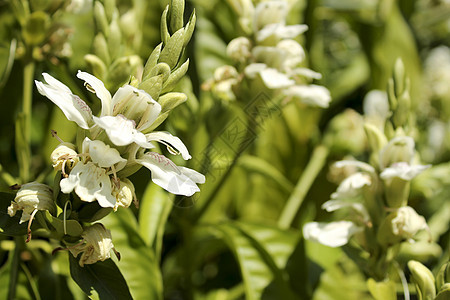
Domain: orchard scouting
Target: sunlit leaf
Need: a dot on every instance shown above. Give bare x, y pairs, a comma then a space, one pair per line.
260, 251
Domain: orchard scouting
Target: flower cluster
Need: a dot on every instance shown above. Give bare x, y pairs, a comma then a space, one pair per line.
270, 53
376, 194
115, 145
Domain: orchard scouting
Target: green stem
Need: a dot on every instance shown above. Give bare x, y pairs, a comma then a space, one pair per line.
315, 164
14, 272
27, 101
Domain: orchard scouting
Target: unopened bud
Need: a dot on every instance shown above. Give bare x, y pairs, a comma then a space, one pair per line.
423, 279
239, 49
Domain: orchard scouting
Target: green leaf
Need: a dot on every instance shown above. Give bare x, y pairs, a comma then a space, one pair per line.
138, 264
382, 290
155, 207
102, 280
10, 225
261, 252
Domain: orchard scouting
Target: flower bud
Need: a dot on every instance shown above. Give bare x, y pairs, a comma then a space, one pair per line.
404, 223
399, 149
95, 246
239, 49
30, 197
124, 194
64, 156
423, 279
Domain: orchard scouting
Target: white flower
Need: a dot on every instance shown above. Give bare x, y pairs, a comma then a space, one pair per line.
334, 234
122, 131
95, 246
355, 164
350, 187
103, 155
398, 149
310, 94
71, 105
124, 193
403, 170
90, 183
407, 223
31, 197
332, 205
63, 156
176, 180
280, 31
239, 49
174, 145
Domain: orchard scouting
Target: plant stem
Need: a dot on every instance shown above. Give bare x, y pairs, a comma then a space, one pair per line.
315, 164
27, 101
14, 272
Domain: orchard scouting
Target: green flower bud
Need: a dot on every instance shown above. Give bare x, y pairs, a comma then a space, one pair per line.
189, 28
114, 38
30, 197
100, 47
165, 34
175, 77
171, 100
176, 11
444, 292
100, 18
376, 139
97, 66
151, 62
443, 276
36, 28
348, 123
423, 280
171, 52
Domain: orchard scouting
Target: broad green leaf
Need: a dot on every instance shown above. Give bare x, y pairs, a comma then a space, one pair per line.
138, 263
101, 280
10, 225
262, 277
155, 207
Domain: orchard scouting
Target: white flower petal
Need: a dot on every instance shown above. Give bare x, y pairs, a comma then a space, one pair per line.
350, 186
100, 90
174, 144
274, 79
403, 170
252, 70
122, 131
177, 180
101, 154
310, 94
334, 234
408, 222
305, 72
333, 205
355, 163
71, 105
281, 31
90, 183
136, 105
